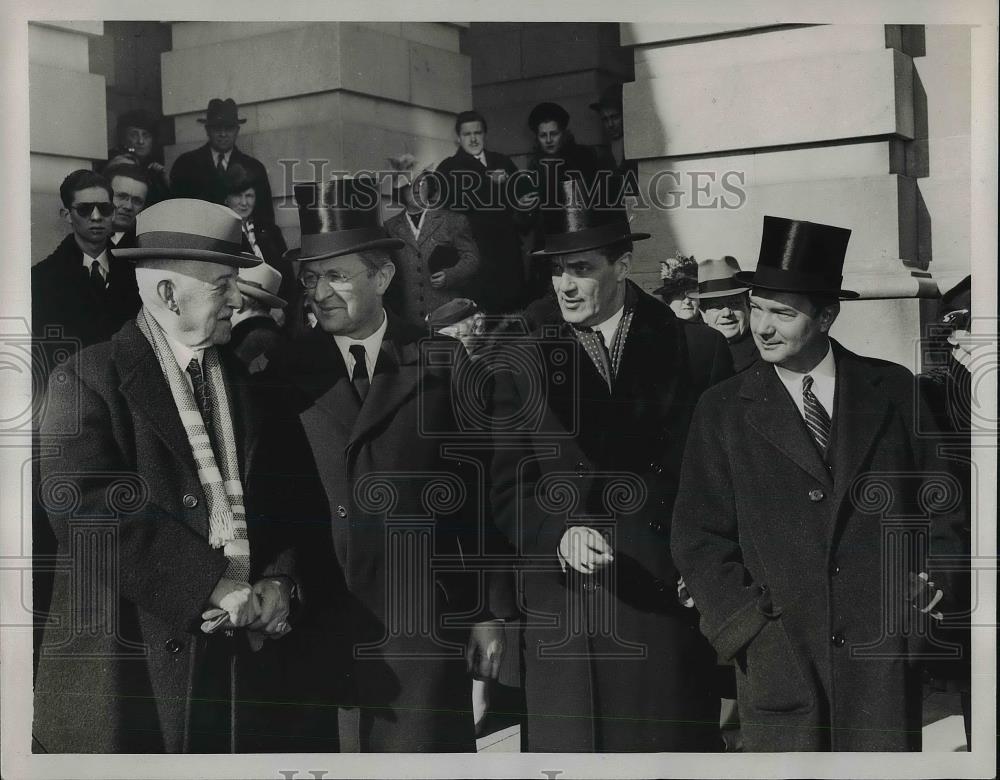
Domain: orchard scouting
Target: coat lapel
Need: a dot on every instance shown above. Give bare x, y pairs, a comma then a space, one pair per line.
774, 416
860, 409
319, 372
394, 380
432, 221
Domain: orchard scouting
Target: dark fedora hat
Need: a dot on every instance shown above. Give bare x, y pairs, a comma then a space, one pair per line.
222, 113
547, 112
610, 98
339, 217
576, 225
800, 257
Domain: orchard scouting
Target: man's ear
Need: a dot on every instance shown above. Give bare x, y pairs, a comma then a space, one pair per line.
65, 216
623, 265
384, 276
828, 315
165, 292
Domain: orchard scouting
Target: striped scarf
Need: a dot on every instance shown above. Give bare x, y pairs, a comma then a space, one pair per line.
223, 490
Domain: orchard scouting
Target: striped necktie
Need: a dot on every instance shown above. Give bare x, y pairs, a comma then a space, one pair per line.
817, 420
200, 387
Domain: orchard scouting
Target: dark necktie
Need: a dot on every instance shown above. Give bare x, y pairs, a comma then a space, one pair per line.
817, 420
593, 341
200, 387
220, 164
97, 278
359, 376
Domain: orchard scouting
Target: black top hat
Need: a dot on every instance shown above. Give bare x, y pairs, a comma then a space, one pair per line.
222, 113
610, 98
547, 112
577, 225
339, 217
800, 257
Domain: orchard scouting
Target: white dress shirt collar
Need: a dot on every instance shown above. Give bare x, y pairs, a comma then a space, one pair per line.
824, 382
372, 345
102, 258
609, 327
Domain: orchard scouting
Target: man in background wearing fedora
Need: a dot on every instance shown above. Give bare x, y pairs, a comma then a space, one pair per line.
173, 581
613, 659
793, 526
439, 259
725, 306
363, 449
199, 173
256, 334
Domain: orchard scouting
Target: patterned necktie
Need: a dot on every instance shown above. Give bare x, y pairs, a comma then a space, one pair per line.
817, 420
593, 342
97, 278
359, 376
200, 387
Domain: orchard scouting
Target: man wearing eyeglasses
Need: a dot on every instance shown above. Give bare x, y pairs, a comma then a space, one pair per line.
81, 293
130, 187
378, 497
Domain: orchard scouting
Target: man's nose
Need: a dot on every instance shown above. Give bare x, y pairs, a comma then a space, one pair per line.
566, 282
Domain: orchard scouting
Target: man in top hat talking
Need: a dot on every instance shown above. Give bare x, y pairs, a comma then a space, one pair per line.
806, 508
364, 450
725, 307
584, 491
172, 582
200, 173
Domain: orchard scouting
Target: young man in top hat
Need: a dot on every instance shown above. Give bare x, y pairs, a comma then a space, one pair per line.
725, 306
816, 586
364, 451
174, 579
200, 172
584, 491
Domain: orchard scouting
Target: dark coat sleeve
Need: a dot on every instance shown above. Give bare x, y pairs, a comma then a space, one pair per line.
165, 567
705, 536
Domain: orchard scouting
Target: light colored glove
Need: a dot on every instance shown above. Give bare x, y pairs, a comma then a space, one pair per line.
485, 650
584, 550
237, 599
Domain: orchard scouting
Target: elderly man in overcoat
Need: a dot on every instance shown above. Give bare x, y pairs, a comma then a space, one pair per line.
172, 579
399, 619
584, 485
806, 512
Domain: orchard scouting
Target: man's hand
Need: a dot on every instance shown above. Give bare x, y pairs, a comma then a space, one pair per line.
237, 599
485, 650
584, 549
438, 279
925, 595
274, 597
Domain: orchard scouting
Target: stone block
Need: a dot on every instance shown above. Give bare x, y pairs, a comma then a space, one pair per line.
251, 74
780, 102
422, 122
439, 79
47, 227
560, 48
85, 27
943, 75
48, 171
55, 94
873, 208
551, 87
436, 34
645, 33
498, 56
374, 63
190, 35
58, 48
767, 45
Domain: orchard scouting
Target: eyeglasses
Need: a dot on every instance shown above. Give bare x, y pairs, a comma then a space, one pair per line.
86, 209
335, 279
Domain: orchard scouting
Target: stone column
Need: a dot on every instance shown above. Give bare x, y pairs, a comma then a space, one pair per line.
66, 116
824, 123
516, 65
351, 94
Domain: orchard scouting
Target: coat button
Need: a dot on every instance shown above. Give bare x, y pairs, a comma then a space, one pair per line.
660, 586
837, 640
655, 526
834, 570
190, 501
581, 468
656, 468
816, 495
172, 646
341, 510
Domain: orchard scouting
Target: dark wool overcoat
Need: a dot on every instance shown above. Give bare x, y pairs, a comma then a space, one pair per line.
800, 569
390, 520
193, 175
121, 488
613, 662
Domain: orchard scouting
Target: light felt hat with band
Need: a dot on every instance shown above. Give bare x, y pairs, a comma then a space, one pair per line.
715, 278
339, 217
261, 282
189, 229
